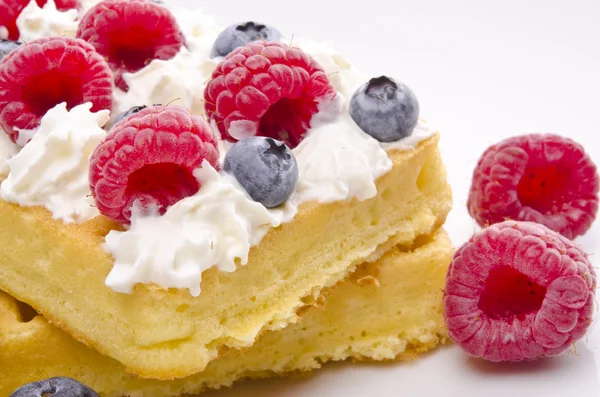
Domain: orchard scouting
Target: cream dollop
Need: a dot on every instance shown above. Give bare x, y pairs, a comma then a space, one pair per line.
337, 161
3, 33
342, 75
87, 4
7, 150
36, 23
179, 80
421, 132
215, 227
52, 169
199, 29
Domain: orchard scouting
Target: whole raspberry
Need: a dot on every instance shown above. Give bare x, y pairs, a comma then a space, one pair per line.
518, 291
130, 34
148, 159
541, 178
266, 89
37, 76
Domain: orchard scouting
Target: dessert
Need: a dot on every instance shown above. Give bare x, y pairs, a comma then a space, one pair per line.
164, 251
362, 317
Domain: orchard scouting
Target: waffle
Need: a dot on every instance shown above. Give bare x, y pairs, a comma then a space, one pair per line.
387, 309
164, 334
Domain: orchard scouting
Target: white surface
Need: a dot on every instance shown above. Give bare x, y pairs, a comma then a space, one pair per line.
483, 70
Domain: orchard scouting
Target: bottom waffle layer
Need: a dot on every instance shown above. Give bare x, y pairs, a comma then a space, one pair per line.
388, 309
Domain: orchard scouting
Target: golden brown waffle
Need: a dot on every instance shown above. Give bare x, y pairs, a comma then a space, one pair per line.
387, 309
165, 334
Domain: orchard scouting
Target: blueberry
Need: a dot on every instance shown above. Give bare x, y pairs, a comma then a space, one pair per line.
385, 109
265, 167
126, 114
7, 46
55, 387
240, 34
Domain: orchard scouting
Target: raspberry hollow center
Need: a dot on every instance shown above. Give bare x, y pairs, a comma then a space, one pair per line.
543, 188
44, 91
285, 120
508, 293
134, 48
165, 183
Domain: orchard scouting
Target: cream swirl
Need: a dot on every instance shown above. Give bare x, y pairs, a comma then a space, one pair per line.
7, 150
179, 80
52, 169
337, 161
215, 227
36, 23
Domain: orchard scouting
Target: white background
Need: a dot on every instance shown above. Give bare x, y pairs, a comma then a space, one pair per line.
483, 70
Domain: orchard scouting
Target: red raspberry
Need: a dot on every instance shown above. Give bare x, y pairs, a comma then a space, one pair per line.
266, 89
518, 291
149, 158
540, 178
9, 11
61, 5
130, 34
39, 75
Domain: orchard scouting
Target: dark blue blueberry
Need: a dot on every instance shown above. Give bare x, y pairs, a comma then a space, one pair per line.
126, 114
55, 387
265, 167
240, 34
7, 46
385, 109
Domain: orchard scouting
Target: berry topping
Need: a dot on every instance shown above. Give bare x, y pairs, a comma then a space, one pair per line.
54, 387
148, 160
266, 168
385, 109
518, 291
9, 11
7, 46
240, 34
130, 34
61, 5
36, 77
541, 178
126, 114
266, 89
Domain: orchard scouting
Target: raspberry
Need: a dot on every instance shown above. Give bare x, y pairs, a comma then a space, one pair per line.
266, 89
9, 11
61, 5
39, 75
541, 178
130, 34
148, 159
518, 291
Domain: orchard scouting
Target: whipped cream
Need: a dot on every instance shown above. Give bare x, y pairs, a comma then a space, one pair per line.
52, 169
3, 33
199, 29
215, 227
36, 23
342, 75
7, 150
179, 80
421, 132
338, 161
87, 4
